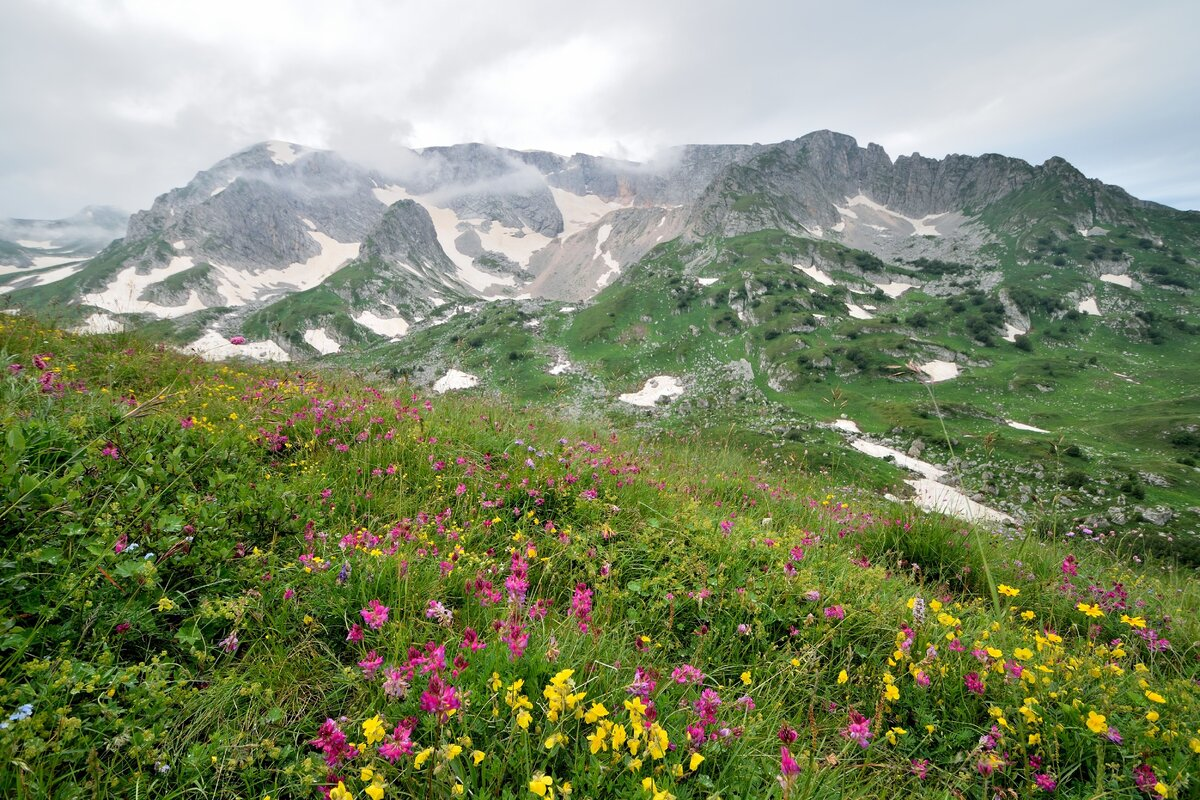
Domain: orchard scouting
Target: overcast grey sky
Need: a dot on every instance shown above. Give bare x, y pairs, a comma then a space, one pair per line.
117, 101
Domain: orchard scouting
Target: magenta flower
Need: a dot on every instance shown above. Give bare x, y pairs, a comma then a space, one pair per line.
581, 606
1045, 782
375, 615
237, 339
788, 767
230, 643
920, 768
400, 743
974, 683
513, 634
859, 729
1145, 779
355, 634
686, 673
440, 698
331, 741
471, 641
835, 612
370, 664
110, 450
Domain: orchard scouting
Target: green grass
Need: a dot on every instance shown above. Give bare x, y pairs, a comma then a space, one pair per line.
188, 544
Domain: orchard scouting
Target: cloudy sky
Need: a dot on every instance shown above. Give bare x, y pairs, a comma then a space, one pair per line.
116, 101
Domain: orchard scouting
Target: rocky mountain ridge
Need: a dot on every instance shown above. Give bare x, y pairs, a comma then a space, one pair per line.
468, 223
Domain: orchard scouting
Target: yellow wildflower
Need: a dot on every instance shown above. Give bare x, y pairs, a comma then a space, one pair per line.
843, 677
540, 785
1097, 723
1155, 697
1007, 590
374, 730
696, 759
746, 678
1092, 610
422, 757
478, 756
1133, 622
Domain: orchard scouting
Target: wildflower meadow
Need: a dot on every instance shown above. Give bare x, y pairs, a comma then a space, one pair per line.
242, 581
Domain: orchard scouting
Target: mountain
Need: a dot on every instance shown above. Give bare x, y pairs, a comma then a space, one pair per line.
1022, 336
34, 252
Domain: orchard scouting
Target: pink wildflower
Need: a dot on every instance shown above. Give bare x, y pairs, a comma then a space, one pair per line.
859, 729
835, 612
370, 664
237, 339
375, 615
355, 634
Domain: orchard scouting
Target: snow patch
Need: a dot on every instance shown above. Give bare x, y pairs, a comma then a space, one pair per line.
706, 281
99, 323
816, 274
35, 245
655, 388
180, 245
448, 226
858, 312
847, 425
455, 380
392, 327
214, 346
894, 289
1011, 332
122, 295
560, 368
931, 494
41, 262
284, 153
321, 341
925, 226
614, 269
581, 211
1119, 280
939, 370
238, 287
1021, 426
1089, 306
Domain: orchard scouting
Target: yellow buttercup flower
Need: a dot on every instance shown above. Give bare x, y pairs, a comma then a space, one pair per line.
540, 785
1155, 697
696, 760
1097, 723
478, 756
843, 676
1007, 590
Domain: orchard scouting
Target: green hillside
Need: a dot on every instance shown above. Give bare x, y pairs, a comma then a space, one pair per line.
227, 580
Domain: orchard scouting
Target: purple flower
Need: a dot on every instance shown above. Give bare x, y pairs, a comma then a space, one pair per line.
974, 683
237, 339
835, 612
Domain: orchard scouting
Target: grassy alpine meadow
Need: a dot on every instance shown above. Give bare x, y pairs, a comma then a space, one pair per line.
224, 580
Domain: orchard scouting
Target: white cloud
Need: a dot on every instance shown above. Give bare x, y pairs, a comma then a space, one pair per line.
119, 100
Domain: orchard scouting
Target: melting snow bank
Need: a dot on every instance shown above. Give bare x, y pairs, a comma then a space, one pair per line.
321, 341
848, 425
894, 289
656, 388
1089, 307
1119, 280
816, 274
99, 323
560, 368
1021, 426
939, 370
857, 312
931, 494
392, 327
455, 379
1011, 332
214, 346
